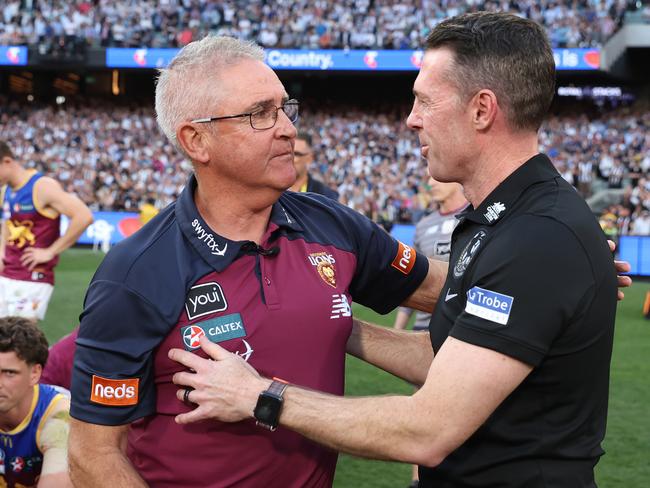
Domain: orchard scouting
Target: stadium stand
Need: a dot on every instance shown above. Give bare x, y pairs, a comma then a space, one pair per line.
306, 24
115, 158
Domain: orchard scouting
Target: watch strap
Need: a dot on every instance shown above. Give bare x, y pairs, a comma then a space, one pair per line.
277, 387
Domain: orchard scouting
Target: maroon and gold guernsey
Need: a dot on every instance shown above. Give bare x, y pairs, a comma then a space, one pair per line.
28, 225
283, 305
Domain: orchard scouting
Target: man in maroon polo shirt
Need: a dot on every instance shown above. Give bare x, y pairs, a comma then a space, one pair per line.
267, 274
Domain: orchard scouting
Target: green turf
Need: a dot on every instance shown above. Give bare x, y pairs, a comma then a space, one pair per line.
626, 464
73, 274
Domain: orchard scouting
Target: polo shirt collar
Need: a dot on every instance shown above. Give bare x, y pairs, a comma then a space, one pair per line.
501, 200
216, 250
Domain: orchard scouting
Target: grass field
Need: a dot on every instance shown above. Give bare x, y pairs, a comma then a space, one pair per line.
626, 464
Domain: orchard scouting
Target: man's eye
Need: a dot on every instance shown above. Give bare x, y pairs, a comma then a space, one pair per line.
263, 114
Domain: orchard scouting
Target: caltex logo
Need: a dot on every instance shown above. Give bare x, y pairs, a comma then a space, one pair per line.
192, 335
17, 464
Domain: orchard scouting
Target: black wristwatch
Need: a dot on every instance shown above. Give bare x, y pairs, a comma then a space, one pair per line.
269, 405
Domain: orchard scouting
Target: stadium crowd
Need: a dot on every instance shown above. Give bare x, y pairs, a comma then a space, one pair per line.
115, 158
305, 24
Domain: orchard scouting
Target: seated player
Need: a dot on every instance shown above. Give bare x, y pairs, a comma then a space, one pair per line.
34, 419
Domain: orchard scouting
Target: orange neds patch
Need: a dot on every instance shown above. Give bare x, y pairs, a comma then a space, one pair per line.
114, 393
405, 259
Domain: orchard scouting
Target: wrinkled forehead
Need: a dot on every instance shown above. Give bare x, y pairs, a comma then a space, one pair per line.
250, 83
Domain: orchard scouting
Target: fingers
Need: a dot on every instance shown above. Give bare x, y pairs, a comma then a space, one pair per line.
199, 413
183, 394
622, 266
624, 281
215, 351
29, 259
192, 361
612, 245
186, 358
185, 379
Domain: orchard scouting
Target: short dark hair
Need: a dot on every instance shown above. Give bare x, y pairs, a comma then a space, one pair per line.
25, 338
304, 136
5, 151
504, 53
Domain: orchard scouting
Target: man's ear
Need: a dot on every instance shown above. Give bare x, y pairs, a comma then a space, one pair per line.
194, 142
35, 374
485, 108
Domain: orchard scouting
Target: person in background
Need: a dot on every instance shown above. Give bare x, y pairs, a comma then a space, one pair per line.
30, 240
34, 419
58, 369
303, 156
148, 210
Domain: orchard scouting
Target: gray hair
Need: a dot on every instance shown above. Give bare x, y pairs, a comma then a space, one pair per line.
195, 65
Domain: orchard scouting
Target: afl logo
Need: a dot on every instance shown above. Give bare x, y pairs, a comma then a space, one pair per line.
471, 249
192, 335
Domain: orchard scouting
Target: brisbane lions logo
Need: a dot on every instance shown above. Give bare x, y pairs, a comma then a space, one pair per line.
20, 233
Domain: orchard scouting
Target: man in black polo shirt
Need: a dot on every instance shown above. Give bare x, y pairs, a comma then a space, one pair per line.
522, 334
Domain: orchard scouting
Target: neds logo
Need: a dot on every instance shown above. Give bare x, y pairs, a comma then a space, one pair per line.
204, 299
405, 259
106, 391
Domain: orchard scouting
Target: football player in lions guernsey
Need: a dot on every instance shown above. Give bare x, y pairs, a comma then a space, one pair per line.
517, 392
266, 273
30, 238
34, 419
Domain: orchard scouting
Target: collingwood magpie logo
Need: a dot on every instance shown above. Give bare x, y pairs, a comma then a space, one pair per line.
204, 299
468, 253
208, 239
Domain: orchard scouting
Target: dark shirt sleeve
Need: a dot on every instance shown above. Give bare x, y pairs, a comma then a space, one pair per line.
118, 333
387, 272
545, 276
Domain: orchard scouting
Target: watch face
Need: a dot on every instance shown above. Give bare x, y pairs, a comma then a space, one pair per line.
267, 409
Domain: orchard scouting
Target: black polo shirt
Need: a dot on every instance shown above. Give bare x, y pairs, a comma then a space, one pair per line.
531, 276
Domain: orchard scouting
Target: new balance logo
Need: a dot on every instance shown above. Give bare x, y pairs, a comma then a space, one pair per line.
340, 306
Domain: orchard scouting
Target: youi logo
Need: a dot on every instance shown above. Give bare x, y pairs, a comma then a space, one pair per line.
204, 299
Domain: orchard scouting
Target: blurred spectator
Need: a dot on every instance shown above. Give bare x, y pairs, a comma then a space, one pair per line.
148, 210
115, 158
608, 224
306, 24
641, 225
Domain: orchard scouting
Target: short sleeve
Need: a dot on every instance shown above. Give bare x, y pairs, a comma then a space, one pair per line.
388, 271
524, 289
112, 379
